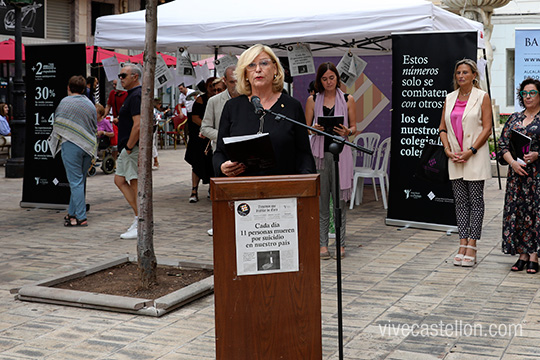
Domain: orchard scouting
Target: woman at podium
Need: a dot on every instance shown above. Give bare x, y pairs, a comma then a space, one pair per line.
260, 76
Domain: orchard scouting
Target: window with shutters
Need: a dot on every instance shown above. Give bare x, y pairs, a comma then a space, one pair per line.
59, 19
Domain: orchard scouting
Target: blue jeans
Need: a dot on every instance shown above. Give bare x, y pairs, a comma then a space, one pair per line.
76, 162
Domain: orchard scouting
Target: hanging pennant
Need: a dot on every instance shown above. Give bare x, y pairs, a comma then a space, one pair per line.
224, 62
350, 68
111, 67
300, 59
163, 74
184, 67
202, 73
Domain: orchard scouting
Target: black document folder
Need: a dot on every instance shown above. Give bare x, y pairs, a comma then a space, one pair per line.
254, 151
520, 144
329, 122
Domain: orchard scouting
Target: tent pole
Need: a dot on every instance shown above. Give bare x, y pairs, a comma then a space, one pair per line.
492, 121
215, 58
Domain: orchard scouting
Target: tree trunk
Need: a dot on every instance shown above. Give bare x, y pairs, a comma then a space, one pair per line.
145, 244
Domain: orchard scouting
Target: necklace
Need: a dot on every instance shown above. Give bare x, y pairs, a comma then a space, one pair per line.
531, 115
467, 94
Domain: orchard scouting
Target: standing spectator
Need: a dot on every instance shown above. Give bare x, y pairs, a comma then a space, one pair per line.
311, 88
198, 152
219, 86
159, 118
74, 129
212, 115
464, 135
114, 103
129, 118
5, 130
91, 83
115, 100
184, 99
331, 101
521, 221
214, 108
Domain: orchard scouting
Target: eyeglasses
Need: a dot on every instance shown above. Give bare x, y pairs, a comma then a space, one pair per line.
264, 64
532, 93
122, 75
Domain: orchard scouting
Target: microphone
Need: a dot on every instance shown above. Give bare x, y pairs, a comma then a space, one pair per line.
256, 101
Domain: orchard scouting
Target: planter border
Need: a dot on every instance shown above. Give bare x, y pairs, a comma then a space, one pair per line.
43, 291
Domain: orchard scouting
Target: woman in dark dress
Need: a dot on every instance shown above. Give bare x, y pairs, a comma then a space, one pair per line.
521, 219
259, 73
198, 153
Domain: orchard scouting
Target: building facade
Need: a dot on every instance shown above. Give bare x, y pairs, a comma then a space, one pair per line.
517, 14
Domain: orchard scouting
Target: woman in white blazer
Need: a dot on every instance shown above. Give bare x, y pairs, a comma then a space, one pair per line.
464, 129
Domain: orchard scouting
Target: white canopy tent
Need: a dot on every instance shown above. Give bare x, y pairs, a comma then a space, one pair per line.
364, 26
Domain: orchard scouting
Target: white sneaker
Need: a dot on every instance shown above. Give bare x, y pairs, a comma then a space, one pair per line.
210, 232
130, 234
134, 224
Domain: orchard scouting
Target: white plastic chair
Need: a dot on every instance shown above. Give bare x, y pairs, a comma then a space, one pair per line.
379, 171
363, 162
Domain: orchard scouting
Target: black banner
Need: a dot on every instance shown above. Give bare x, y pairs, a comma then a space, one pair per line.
32, 19
48, 69
422, 76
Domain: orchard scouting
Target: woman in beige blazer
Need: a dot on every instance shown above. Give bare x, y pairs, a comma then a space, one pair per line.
464, 130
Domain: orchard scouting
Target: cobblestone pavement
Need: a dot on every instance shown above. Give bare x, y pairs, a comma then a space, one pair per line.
391, 278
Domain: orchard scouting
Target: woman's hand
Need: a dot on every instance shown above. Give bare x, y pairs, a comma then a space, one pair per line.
452, 156
463, 156
342, 130
530, 157
518, 168
318, 127
229, 168
99, 133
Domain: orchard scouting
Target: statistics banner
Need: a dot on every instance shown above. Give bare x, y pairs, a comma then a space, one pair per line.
527, 57
48, 69
422, 75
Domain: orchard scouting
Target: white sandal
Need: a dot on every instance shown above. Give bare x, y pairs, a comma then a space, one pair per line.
458, 259
469, 261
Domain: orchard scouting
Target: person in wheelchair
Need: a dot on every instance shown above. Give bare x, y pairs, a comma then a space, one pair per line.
104, 129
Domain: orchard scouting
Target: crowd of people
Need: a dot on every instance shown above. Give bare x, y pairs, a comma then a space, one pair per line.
223, 107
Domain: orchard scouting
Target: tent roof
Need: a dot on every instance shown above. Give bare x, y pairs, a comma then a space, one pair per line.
366, 24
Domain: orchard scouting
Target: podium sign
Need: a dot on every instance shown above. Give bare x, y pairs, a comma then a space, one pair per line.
267, 281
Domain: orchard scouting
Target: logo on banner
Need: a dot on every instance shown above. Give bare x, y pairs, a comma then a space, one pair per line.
243, 209
431, 195
409, 194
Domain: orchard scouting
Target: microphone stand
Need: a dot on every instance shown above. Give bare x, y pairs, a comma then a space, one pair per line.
335, 148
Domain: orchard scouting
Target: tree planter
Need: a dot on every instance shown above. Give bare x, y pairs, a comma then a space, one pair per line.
44, 292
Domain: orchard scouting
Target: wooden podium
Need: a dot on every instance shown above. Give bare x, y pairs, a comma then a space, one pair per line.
267, 316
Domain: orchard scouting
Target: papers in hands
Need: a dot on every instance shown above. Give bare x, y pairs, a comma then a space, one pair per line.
255, 151
235, 139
